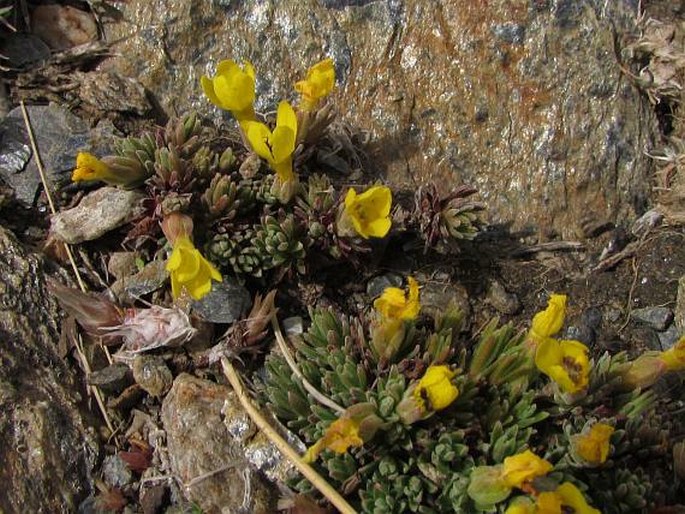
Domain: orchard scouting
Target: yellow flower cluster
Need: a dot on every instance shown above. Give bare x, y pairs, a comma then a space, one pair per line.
318, 84
276, 146
435, 391
522, 468
548, 322
233, 89
566, 362
356, 425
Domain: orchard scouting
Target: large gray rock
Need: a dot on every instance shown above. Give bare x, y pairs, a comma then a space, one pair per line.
59, 137
47, 449
525, 100
210, 463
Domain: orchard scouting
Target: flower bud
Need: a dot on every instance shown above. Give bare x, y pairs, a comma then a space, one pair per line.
387, 336
285, 190
674, 357
486, 486
177, 225
644, 371
548, 322
257, 321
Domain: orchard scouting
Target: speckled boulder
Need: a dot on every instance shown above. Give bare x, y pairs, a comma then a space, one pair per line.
523, 99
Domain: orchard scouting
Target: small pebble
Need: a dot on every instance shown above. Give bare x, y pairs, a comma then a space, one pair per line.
152, 498
647, 222
129, 288
225, 303
115, 472
112, 379
152, 374
377, 285
612, 315
669, 337
437, 296
122, 264
586, 331
647, 337
502, 300
657, 318
293, 326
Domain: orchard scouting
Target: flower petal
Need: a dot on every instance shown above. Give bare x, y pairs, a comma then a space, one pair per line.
208, 89
572, 497
377, 201
524, 467
286, 117
350, 197
378, 228
190, 265
282, 144
549, 322
259, 135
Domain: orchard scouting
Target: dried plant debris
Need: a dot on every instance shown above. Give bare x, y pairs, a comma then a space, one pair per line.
670, 179
659, 51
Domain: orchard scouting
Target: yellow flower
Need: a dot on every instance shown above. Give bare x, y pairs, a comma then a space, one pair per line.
548, 322
435, 390
190, 270
395, 304
369, 212
115, 171
276, 147
318, 84
674, 358
566, 496
232, 89
523, 467
565, 362
593, 446
339, 437
89, 167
